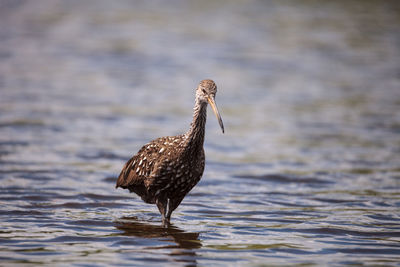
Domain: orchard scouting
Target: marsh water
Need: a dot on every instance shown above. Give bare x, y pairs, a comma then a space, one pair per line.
307, 172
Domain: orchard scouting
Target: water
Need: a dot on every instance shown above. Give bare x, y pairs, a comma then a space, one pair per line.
307, 173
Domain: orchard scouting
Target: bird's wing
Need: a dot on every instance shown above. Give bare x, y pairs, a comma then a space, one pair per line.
139, 166
128, 176
164, 172
153, 162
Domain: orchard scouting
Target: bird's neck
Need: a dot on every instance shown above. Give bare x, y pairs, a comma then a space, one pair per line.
195, 135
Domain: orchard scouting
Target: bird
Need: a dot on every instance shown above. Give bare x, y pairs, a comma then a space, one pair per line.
166, 169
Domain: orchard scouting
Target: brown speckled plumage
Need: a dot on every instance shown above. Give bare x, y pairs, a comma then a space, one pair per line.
167, 168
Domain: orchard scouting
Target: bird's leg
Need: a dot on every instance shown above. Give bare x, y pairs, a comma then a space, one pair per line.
162, 206
169, 211
167, 214
172, 205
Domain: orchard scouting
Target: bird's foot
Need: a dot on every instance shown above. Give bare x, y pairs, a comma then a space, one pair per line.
165, 222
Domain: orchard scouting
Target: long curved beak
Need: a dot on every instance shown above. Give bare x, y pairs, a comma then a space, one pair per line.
216, 112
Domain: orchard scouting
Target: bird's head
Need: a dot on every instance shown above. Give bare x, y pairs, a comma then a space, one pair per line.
206, 92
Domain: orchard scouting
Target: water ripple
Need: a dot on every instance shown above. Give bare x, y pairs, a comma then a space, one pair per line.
307, 172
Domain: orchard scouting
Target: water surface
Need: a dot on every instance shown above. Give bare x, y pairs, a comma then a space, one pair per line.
307, 173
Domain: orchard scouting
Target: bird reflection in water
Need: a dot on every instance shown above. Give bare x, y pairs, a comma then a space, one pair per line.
186, 242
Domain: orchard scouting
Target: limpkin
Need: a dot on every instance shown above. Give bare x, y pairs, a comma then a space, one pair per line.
166, 169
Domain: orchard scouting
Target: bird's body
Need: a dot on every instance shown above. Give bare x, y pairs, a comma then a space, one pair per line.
167, 168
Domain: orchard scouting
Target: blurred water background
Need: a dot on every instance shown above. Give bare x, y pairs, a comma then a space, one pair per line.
307, 173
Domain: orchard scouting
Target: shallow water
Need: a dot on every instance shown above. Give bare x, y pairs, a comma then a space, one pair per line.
307, 173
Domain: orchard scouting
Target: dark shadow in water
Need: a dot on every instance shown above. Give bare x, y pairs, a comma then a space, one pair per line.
186, 242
